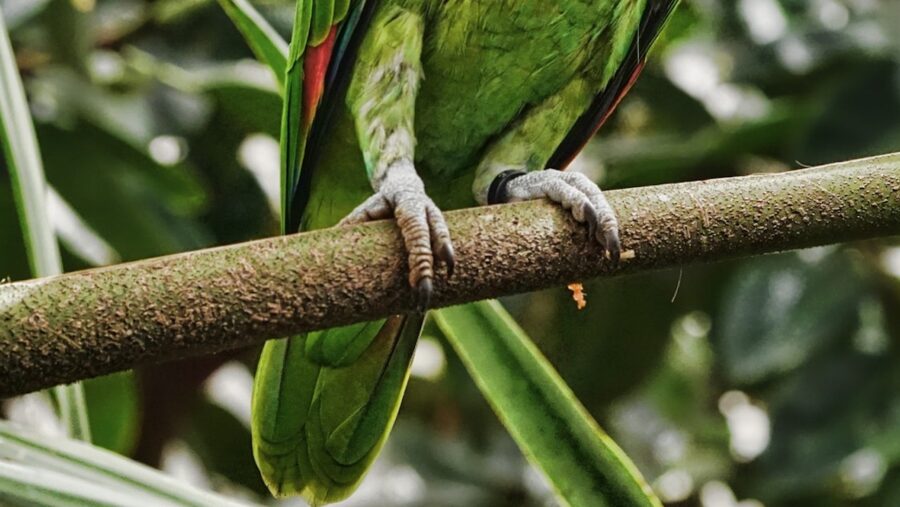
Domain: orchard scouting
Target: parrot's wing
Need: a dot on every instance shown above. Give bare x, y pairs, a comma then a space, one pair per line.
325, 38
655, 15
316, 427
324, 402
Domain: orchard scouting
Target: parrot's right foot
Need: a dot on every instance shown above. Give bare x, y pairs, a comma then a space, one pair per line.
573, 191
401, 194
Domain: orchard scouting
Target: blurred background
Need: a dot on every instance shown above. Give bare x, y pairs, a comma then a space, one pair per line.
768, 381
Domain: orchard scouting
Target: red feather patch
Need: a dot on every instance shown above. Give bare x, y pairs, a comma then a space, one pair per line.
315, 66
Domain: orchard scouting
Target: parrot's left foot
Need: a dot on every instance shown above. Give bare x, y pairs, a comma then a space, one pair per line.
573, 191
401, 194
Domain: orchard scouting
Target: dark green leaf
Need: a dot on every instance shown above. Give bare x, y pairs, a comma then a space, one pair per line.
780, 310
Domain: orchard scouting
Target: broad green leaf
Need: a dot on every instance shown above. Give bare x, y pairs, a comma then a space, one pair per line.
23, 160
37, 470
543, 416
263, 40
140, 208
119, 127
859, 118
780, 311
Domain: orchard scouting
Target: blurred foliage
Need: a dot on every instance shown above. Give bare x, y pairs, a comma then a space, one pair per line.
39, 470
768, 381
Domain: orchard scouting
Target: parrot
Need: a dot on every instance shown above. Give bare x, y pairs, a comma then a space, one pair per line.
476, 101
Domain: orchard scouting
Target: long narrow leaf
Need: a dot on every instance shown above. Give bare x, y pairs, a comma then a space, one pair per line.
72, 409
27, 486
541, 413
263, 40
23, 162
24, 165
68, 472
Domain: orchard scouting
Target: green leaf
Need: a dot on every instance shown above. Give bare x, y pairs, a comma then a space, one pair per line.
114, 410
18, 12
25, 486
36, 470
263, 40
222, 442
23, 160
543, 416
140, 208
780, 311
13, 262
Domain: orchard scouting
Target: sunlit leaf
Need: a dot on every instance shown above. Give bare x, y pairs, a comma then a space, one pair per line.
37, 470
23, 160
265, 42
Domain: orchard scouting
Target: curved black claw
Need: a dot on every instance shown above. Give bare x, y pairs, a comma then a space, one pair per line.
444, 253
612, 245
423, 291
593, 221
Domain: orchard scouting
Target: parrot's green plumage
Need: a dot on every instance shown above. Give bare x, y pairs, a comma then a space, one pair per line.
465, 96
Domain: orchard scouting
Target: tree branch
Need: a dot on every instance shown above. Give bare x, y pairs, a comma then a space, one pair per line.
84, 324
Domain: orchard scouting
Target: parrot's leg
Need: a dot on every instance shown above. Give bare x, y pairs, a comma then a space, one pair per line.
512, 168
382, 99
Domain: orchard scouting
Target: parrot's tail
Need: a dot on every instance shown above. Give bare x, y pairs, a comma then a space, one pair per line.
324, 404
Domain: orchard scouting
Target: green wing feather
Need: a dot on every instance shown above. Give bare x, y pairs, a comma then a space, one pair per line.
324, 403
317, 428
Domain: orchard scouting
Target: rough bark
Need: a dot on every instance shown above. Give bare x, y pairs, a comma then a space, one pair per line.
84, 324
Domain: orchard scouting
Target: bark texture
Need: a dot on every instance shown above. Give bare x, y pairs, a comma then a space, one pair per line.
90, 323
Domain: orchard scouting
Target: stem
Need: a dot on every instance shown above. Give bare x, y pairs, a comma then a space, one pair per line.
96, 322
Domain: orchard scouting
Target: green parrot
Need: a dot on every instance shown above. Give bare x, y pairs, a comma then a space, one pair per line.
477, 101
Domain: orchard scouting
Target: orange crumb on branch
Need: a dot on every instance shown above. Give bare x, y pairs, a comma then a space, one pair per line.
578, 295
